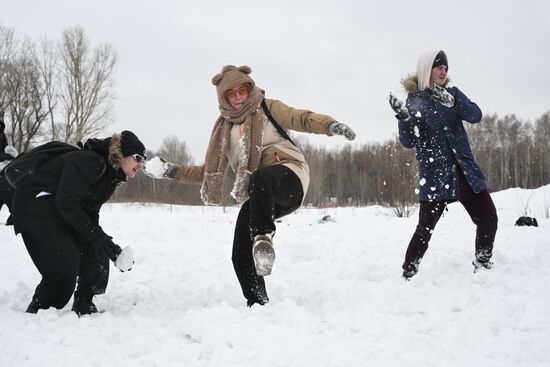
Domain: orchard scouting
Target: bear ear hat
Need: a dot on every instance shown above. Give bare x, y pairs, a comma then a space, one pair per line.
245, 69
218, 77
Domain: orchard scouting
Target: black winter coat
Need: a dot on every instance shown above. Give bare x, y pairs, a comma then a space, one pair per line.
78, 183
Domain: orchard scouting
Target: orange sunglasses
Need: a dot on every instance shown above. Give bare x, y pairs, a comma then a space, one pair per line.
232, 93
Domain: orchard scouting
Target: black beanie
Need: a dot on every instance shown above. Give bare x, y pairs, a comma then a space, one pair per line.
440, 59
130, 144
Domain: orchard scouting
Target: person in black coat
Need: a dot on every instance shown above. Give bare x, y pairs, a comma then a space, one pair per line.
57, 214
7, 153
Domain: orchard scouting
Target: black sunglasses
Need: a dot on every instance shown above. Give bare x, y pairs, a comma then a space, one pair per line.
139, 158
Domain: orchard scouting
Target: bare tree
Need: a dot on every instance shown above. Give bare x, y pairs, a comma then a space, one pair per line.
47, 64
174, 150
87, 85
26, 108
7, 40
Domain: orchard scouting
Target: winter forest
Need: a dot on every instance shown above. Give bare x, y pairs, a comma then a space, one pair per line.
64, 91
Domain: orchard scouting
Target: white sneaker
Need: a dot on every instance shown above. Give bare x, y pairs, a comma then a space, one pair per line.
263, 253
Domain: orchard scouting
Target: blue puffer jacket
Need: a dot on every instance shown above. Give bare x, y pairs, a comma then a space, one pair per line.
441, 142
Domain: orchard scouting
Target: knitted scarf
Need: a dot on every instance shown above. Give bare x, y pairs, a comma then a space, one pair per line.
253, 119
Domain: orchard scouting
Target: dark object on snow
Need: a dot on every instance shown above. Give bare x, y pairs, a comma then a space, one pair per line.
527, 221
326, 219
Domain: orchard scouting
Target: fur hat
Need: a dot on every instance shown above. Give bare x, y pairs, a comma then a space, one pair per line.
232, 77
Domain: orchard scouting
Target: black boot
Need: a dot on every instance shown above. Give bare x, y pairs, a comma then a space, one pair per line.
260, 301
410, 269
34, 306
83, 304
483, 260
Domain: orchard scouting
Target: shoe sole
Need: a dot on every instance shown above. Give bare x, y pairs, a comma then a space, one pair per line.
264, 257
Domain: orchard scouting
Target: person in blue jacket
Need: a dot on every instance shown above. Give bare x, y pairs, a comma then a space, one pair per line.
432, 122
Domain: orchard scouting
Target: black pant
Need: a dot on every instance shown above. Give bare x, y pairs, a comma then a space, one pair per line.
61, 259
479, 206
274, 191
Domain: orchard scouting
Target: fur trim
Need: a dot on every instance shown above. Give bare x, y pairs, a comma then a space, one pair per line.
115, 151
410, 83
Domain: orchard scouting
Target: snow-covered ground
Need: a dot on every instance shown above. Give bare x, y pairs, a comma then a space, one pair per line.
337, 296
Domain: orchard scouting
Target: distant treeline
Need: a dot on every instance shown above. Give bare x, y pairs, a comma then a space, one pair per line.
511, 153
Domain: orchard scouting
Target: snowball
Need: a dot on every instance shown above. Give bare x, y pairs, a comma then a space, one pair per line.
422, 181
156, 167
125, 260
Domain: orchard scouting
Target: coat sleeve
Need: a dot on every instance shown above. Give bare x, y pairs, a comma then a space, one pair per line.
407, 135
299, 120
466, 109
190, 174
406, 132
80, 171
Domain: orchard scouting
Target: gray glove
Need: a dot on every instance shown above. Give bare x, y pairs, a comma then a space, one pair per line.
396, 105
441, 96
338, 128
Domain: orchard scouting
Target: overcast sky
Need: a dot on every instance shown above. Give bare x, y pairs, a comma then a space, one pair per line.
339, 58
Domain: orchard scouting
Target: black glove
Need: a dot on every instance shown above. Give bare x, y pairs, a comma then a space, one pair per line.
105, 248
441, 96
396, 105
338, 128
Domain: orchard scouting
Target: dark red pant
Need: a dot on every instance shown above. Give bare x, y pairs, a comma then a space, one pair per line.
479, 206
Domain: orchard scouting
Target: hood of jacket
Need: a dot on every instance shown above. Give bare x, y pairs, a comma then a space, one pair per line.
108, 148
421, 79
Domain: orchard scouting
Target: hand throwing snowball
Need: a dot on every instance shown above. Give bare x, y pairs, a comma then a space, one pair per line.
157, 167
